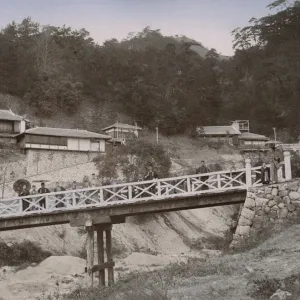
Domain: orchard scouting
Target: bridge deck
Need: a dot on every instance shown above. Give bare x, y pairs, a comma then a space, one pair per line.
121, 200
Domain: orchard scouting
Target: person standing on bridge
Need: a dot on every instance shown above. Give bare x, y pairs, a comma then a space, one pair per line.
43, 190
265, 174
26, 202
59, 197
202, 170
76, 197
33, 191
151, 175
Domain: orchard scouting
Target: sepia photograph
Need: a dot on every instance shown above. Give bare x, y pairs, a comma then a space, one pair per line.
149, 150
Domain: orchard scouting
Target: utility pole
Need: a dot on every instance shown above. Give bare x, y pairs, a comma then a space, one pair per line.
156, 134
274, 129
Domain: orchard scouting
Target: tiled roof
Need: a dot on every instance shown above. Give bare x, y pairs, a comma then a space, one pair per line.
248, 136
123, 126
219, 130
9, 115
76, 133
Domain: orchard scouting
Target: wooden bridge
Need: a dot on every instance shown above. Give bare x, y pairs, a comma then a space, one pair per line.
99, 208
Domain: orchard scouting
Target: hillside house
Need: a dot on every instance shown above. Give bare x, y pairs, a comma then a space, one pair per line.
252, 139
61, 139
11, 125
220, 133
120, 131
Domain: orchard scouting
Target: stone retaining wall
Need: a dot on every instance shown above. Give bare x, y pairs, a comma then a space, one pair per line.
267, 205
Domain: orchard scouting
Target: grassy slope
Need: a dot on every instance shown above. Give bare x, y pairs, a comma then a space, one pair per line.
254, 274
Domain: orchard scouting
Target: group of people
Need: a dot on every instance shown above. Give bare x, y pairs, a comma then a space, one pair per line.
30, 203
273, 173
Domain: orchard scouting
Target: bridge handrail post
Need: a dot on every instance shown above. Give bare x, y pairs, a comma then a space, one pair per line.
47, 202
158, 185
73, 199
20, 205
248, 172
101, 195
287, 165
219, 181
188, 184
129, 192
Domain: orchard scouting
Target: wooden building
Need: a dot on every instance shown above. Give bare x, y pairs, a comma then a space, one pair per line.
219, 134
120, 131
46, 138
11, 125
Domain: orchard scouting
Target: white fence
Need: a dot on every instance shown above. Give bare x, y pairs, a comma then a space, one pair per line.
190, 185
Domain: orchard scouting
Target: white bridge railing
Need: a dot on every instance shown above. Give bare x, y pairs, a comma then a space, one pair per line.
130, 192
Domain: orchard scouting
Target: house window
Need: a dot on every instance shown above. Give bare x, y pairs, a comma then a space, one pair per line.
46, 140
6, 126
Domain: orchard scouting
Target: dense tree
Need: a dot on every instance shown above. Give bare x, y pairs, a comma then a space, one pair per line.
157, 80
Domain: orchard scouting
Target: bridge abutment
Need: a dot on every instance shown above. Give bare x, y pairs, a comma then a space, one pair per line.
267, 206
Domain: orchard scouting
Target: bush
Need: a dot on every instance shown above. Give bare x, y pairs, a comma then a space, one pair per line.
21, 253
132, 160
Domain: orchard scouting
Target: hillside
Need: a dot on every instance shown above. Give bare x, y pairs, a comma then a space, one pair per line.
155, 80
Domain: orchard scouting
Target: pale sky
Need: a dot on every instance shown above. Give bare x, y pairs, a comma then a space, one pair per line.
207, 21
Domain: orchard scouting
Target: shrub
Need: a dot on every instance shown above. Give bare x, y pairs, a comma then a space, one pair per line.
132, 160
21, 253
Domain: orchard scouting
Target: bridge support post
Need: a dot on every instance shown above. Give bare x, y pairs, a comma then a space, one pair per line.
90, 252
248, 172
287, 165
100, 250
110, 269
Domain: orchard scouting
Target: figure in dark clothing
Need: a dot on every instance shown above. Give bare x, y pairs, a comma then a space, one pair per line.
59, 188
150, 176
265, 174
201, 170
43, 190
23, 193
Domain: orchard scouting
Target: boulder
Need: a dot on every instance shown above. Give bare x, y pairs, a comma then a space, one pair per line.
272, 214
282, 187
268, 190
283, 193
275, 208
291, 207
281, 205
260, 202
272, 220
296, 203
294, 196
293, 186
260, 213
286, 199
243, 230
271, 203
244, 222
267, 209
249, 203
270, 196
247, 213
274, 192
292, 215
282, 213
277, 199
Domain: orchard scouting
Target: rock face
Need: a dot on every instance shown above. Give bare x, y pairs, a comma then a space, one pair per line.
273, 204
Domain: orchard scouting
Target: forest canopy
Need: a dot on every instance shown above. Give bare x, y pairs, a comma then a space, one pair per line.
158, 80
